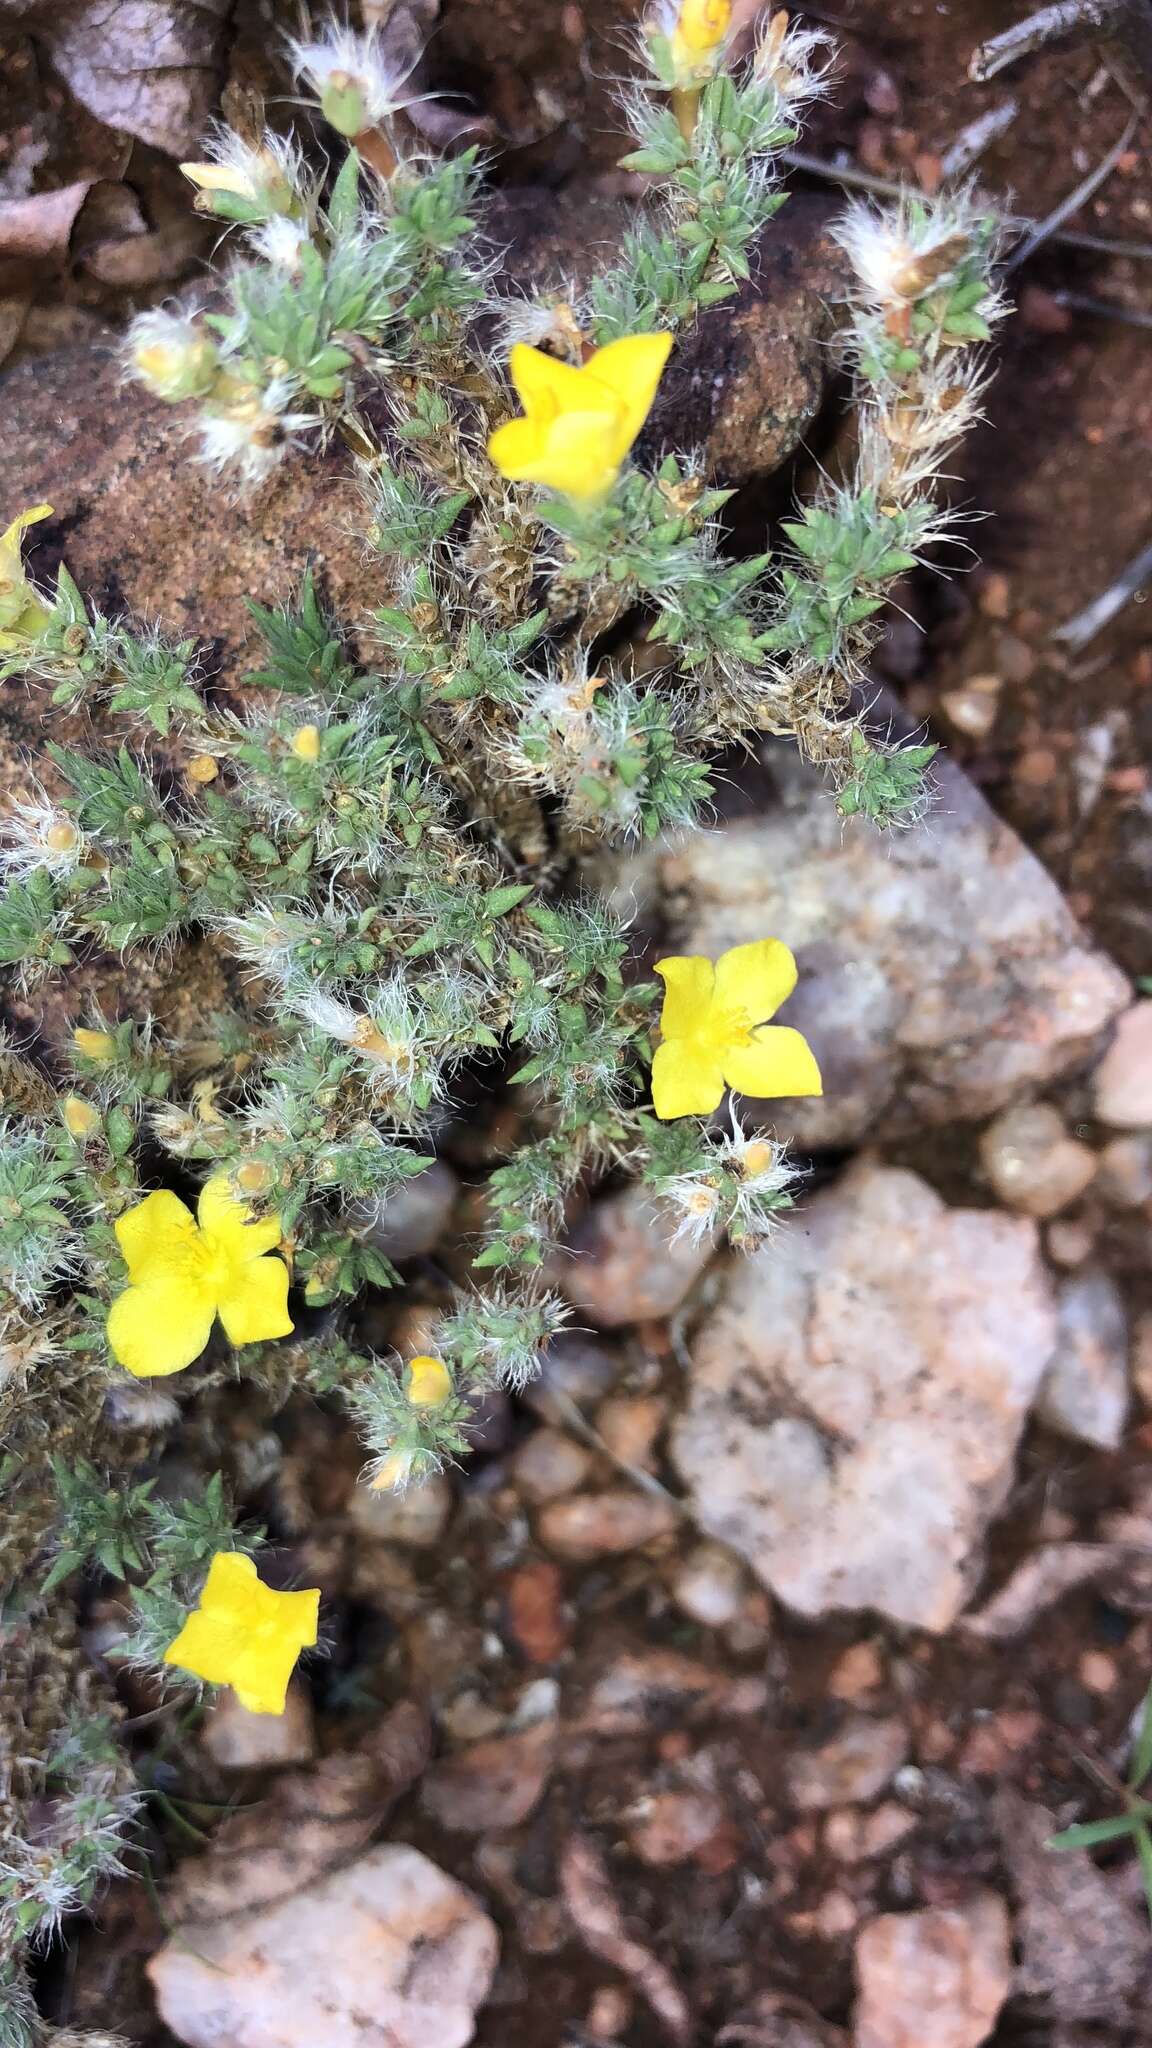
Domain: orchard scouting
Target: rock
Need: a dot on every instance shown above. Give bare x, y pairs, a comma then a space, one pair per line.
858, 1671
1142, 1359
1031, 1161
710, 1586
414, 1219
416, 1517
852, 1767
241, 1741
780, 2020
972, 707
942, 975
549, 1465
858, 1392
1084, 1393
1122, 1083
493, 1784
1124, 1179
620, 1264
389, 1948
592, 1525
935, 1979
854, 1837
629, 1424
576, 1372
1084, 1951
666, 1828
534, 1608
642, 1689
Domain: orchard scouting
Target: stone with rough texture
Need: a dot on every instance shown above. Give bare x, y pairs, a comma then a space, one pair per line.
857, 1395
942, 975
492, 1784
592, 1525
1122, 1084
1084, 1393
853, 1766
620, 1264
414, 1219
238, 1740
415, 1517
1032, 1162
935, 1979
387, 1949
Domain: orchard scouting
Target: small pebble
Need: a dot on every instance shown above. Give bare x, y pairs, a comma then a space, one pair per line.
1097, 1671
860, 1670
852, 1766
238, 1740
709, 1586
973, 706
1122, 1084
592, 1525
1084, 1392
1124, 1179
667, 1828
549, 1465
416, 1518
1069, 1244
413, 1220
630, 1425
1032, 1162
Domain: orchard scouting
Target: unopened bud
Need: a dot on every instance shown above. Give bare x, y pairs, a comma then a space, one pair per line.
202, 768
344, 104
253, 1177
759, 1158
172, 357
81, 1120
95, 1045
306, 743
429, 1382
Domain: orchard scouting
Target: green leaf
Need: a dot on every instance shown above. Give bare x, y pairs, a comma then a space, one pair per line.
1142, 1752
1090, 1832
1144, 1849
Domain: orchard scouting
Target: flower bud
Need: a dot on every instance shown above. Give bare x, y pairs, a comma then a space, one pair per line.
95, 1045
202, 769
305, 743
81, 1120
428, 1382
171, 356
701, 28
253, 1177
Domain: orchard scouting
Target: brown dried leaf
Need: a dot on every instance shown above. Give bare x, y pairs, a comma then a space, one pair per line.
309, 1821
39, 229
588, 1895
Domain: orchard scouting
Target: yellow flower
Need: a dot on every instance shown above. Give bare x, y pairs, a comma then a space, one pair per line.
183, 1274
429, 1382
245, 1635
305, 743
701, 27
578, 425
714, 1035
23, 615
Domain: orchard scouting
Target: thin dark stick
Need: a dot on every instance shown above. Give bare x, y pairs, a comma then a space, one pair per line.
1066, 17
1077, 198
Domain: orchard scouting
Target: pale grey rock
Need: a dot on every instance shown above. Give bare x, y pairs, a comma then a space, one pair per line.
1032, 1162
621, 1265
591, 1525
1084, 1393
414, 1219
387, 1949
852, 1766
238, 1740
1122, 1083
942, 975
858, 1393
935, 1979
415, 1517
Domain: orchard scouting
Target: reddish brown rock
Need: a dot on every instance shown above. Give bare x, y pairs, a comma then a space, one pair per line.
935, 1979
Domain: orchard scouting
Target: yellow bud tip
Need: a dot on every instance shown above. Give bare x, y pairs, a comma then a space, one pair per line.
391, 1472
702, 26
81, 1121
254, 1178
759, 1158
202, 768
306, 743
429, 1382
62, 838
219, 178
95, 1045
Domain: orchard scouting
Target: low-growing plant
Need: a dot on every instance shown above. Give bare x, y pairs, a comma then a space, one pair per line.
386, 836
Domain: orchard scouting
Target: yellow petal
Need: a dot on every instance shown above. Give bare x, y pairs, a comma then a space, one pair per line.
543, 384
631, 368
230, 1223
686, 1080
160, 1327
702, 25
10, 538
157, 1235
253, 1305
689, 982
778, 1062
756, 978
514, 449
